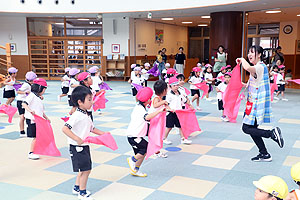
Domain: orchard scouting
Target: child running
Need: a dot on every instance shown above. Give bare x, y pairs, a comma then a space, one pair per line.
137, 79
145, 74
34, 106
281, 82
220, 76
23, 92
78, 128
208, 77
9, 90
73, 84
139, 119
65, 82
181, 89
220, 91
195, 92
96, 79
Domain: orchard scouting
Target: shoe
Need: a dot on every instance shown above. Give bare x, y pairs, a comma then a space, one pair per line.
33, 156
198, 108
185, 141
23, 135
285, 100
138, 173
131, 164
224, 119
161, 155
277, 136
168, 142
276, 98
85, 197
77, 192
58, 98
262, 158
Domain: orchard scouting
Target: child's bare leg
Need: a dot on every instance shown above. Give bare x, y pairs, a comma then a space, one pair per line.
72, 110
282, 94
167, 132
77, 182
198, 101
10, 100
83, 179
140, 159
21, 123
32, 145
180, 132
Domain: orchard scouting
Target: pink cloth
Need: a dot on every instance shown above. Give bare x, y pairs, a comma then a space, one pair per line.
99, 101
273, 87
65, 119
187, 91
104, 86
17, 86
45, 143
137, 87
9, 110
204, 87
106, 139
295, 81
231, 94
236, 108
188, 121
156, 134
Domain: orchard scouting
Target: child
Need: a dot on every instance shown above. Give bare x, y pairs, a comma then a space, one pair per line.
281, 82
34, 106
65, 81
9, 90
170, 73
270, 188
139, 118
195, 92
220, 90
95, 79
136, 79
24, 91
228, 67
73, 84
145, 74
132, 73
78, 128
274, 71
175, 100
220, 76
181, 89
164, 71
208, 77
295, 173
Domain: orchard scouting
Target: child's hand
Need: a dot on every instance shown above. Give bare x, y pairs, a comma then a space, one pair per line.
165, 102
32, 112
79, 141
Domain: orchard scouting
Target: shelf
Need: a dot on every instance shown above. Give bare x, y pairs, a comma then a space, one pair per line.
115, 60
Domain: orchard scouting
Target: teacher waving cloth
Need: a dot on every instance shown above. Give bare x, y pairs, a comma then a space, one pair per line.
180, 61
258, 107
220, 60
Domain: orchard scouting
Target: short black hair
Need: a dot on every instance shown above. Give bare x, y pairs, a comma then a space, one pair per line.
93, 74
79, 93
221, 47
227, 75
159, 51
164, 49
289, 71
279, 47
180, 76
159, 87
72, 76
35, 88
180, 48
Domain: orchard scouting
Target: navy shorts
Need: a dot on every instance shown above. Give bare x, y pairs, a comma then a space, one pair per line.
31, 129
139, 145
20, 108
193, 92
8, 94
81, 158
172, 120
65, 90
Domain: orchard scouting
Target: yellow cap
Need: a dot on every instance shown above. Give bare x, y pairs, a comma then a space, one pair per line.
272, 185
295, 172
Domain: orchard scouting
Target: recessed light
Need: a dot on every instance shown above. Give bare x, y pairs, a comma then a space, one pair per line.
202, 25
205, 17
187, 22
83, 19
59, 23
273, 11
167, 18
248, 22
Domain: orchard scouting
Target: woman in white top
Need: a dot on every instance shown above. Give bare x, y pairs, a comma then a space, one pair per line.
65, 82
9, 90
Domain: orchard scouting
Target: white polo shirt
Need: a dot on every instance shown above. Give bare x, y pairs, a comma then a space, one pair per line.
34, 103
80, 124
10, 87
26, 87
73, 81
137, 80
175, 100
222, 87
145, 75
96, 82
208, 76
279, 80
137, 122
195, 80
66, 81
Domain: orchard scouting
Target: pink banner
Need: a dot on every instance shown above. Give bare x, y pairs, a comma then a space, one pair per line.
273, 87
9, 110
295, 81
65, 119
156, 134
188, 121
187, 91
106, 139
45, 143
99, 101
231, 94
204, 87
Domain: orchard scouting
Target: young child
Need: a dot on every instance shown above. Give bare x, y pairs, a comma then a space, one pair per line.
270, 188
170, 73
208, 77
220, 76
145, 75
281, 82
228, 68
164, 71
73, 84
182, 91
95, 79
65, 81
78, 128
136, 79
175, 100
34, 106
139, 119
195, 92
220, 90
273, 72
9, 90
132, 73
23, 92
295, 173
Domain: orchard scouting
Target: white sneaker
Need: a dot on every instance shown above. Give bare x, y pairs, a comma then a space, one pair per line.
33, 156
161, 155
285, 100
23, 135
77, 192
85, 197
224, 119
198, 108
139, 174
276, 98
185, 141
131, 164
168, 142
208, 99
58, 98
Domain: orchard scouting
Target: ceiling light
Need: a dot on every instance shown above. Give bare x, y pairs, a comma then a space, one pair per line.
205, 17
248, 22
202, 25
167, 18
91, 22
298, 15
187, 22
273, 11
59, 23
83, 19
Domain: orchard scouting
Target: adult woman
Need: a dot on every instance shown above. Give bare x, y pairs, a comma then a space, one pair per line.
163, 55
220, 60
180, 61
277, 57
258, 107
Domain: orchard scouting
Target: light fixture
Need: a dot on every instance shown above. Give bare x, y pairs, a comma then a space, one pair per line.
205, 17
91, 22
273, 11
167, 18
248, 23
83, 19
298, 15
202, 25
187, 22
59, 23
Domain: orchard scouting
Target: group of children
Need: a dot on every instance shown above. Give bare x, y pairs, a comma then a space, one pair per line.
277, 77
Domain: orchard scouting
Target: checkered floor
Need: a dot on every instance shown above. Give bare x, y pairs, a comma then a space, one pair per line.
216, 166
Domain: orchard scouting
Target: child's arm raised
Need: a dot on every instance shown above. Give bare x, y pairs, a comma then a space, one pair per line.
71, 135
97, 131
152, 115
157, 103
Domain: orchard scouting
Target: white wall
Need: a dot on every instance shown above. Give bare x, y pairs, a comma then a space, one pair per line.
287, 41
16, 28
121, 37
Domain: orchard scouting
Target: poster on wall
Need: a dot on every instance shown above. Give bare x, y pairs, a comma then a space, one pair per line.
159, 36
115, 48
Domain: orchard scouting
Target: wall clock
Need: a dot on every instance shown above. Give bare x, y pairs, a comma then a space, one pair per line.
287, 29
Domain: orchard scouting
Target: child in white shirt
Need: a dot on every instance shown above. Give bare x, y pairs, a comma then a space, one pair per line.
195, 92
208, 77
220, 91
9, 90
136, 79
65, 83
145, 74
281, 82
73, 84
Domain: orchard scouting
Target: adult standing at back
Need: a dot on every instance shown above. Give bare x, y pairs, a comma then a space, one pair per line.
220, 60
163, 55
278, 58
258, 107
180, 61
